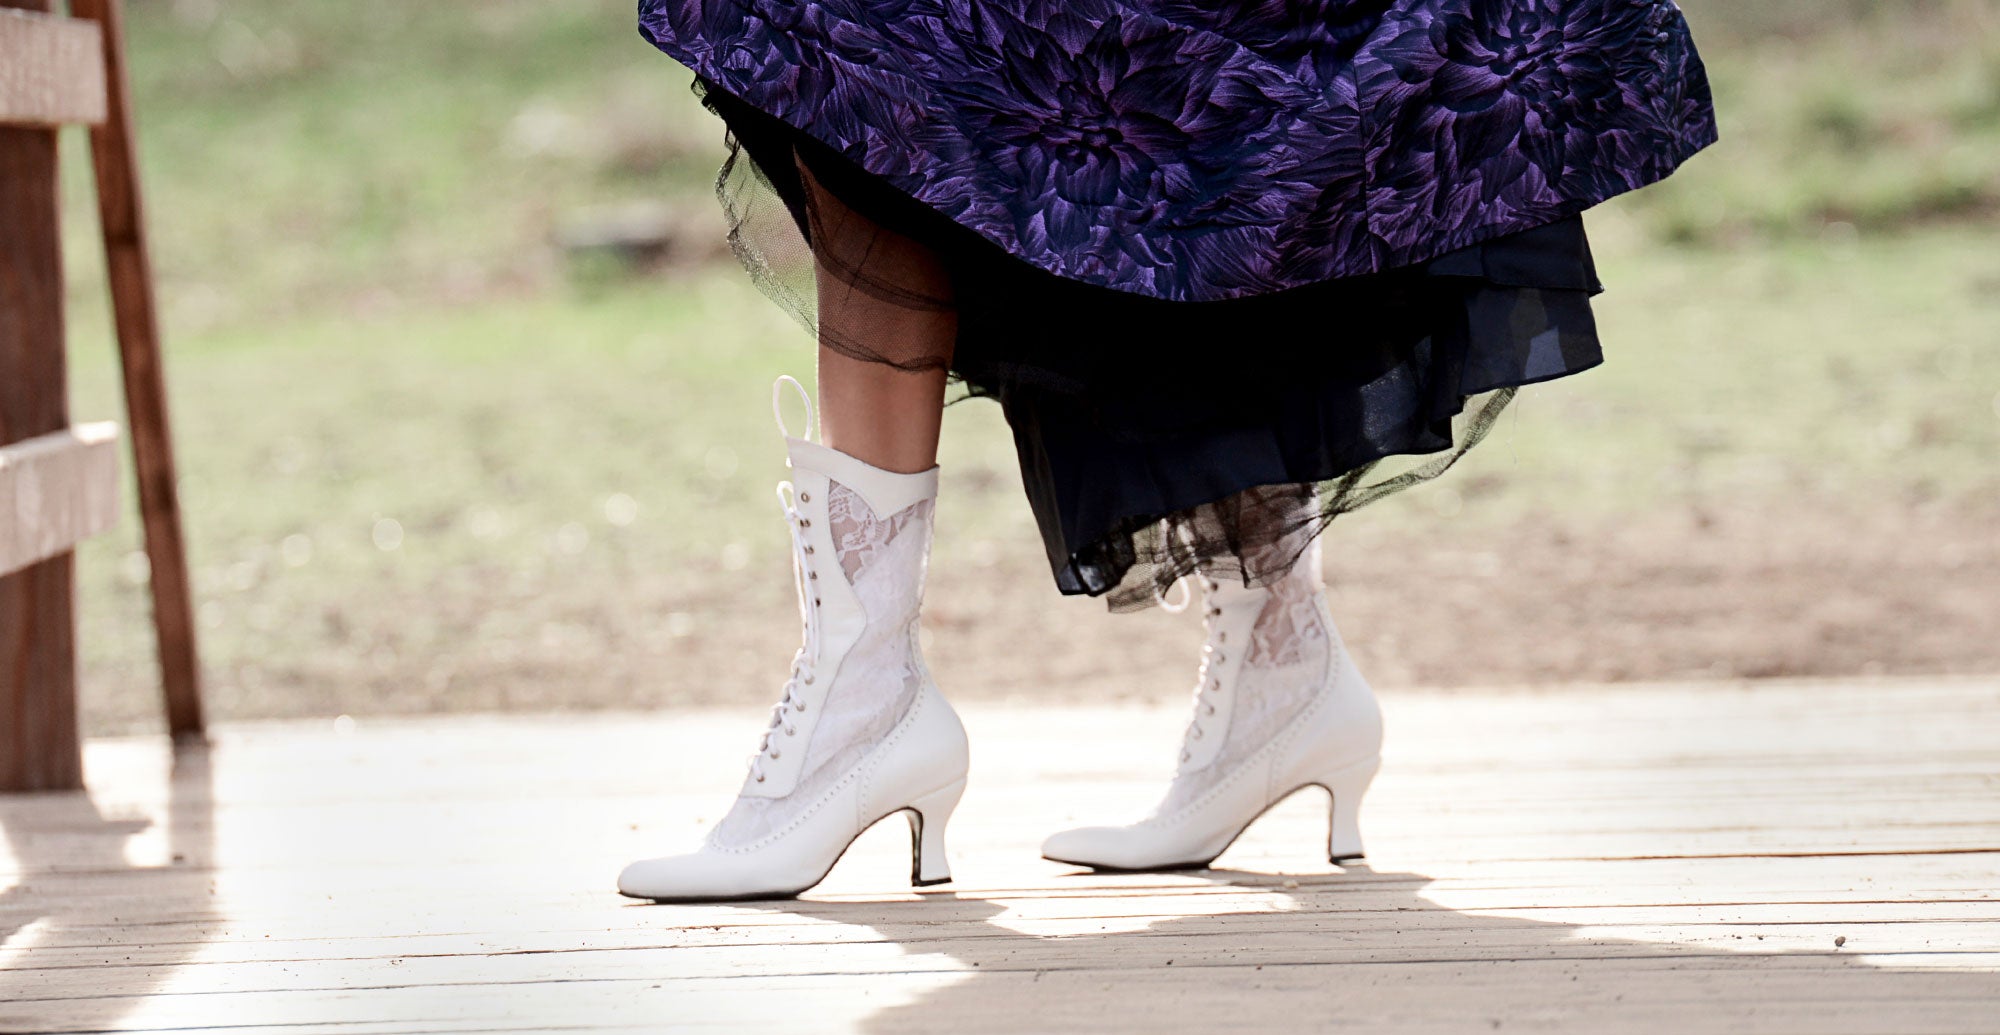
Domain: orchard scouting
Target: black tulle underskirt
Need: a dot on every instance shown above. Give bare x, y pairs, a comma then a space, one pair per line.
1157, 439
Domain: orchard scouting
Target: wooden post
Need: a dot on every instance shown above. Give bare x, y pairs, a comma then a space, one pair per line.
131, 276
39, 745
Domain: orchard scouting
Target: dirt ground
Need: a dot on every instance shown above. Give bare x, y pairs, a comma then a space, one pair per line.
1728, 594
1777, 590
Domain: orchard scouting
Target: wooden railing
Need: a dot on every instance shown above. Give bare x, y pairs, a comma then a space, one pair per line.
58, 483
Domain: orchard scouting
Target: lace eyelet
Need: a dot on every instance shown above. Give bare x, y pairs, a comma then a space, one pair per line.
1197, 733
1211, 709
807, 681
760, 776
813, 575
809, 549
805, 523
790, 732
774, 754
805, 497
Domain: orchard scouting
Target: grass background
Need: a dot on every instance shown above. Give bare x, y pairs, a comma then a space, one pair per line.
430, 462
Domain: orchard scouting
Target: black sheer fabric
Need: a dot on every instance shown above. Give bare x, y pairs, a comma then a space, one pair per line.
1159, 439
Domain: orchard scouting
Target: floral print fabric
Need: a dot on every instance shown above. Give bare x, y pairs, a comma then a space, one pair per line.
1197, 150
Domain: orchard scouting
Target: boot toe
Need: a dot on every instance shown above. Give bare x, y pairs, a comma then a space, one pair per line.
671, 878
645, 878
1100, 847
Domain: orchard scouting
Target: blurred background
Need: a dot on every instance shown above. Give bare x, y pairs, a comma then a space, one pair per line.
473, 403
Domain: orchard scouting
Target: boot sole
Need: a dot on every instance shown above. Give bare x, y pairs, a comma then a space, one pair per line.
1203, 864
916, 839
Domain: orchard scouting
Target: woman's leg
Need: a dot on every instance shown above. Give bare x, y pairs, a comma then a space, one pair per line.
860, 509
883, 296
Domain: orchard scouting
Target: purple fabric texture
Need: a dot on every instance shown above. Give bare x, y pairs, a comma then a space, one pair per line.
1199, 150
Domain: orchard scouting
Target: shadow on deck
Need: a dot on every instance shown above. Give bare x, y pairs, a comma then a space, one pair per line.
1770, 858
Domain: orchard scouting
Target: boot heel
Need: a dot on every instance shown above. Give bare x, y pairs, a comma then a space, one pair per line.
928, 816
1347, 786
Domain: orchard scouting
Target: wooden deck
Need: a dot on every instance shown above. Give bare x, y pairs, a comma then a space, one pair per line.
1784, 857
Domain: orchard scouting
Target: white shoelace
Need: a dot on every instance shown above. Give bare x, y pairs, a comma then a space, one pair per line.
1212, 657
803, 577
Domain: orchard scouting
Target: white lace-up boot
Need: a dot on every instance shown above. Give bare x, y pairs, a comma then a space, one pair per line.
1279, 706
862, 732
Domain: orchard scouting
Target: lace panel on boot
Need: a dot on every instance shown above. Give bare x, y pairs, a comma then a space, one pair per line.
1290, 617
858, 533
1287, 664
884, 561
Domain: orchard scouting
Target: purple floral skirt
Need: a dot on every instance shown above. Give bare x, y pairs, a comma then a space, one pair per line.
1208, 342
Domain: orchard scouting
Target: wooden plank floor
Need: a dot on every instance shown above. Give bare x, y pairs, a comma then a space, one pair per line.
1781, 857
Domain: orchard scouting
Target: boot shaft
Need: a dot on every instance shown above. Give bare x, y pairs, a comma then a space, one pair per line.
860, 547
1269, 650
